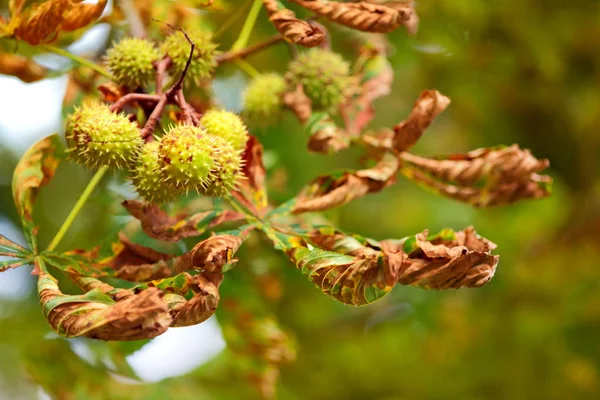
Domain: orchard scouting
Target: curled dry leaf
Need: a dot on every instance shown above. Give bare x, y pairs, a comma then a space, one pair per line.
294, 30
325, 136
499, 165
362, 15
158, 224
428, 106
215, 252
22, 67
204, 303
82, 14
34, 170
95, 315
483, 177
338, 189
41, 23
448, 260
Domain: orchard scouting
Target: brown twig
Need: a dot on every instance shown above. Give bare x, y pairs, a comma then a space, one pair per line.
131, 97
161, 67
232, 55
173, 95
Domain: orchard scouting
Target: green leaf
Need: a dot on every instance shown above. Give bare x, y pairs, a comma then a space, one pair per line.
35, 169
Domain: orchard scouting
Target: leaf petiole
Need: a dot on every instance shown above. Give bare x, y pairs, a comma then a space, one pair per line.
77, 208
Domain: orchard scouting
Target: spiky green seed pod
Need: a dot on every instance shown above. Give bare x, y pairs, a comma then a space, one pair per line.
324, 75
187, 157
130, 62
228, 169
178, 48
147, 177
226, 125
262, 100
96, 136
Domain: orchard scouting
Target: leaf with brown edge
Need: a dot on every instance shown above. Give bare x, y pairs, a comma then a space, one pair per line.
428, 106
325, 136
158, 224
376, 77
448, 260
357, 271
97, 316
22, 67
347, 268
293, 30
8, 248
483, 177
251, 189
338, 189
34, 170
41, 22
363, 16
82, 14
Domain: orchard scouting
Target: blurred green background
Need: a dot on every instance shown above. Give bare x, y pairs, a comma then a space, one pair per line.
524, 72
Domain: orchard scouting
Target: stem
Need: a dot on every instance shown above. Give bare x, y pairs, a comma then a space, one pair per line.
79, 60
240, 43
80, 202
247, 68
236, 54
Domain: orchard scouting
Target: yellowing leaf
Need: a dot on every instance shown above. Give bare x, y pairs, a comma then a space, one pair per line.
34, 170
81, 15
21, 67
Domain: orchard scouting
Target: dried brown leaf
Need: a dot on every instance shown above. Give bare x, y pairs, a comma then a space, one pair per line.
428, 106
82, 14
158, 224
498, 165
464, 260
294, 30
215, 252
362, 15
335, 190
483, 177
41, 23
22, 67
204, 303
